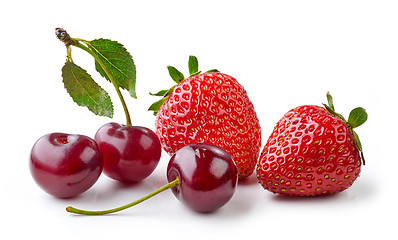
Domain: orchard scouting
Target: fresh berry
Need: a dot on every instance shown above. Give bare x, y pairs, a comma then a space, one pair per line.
208, 176
212, 108
312, 151
65, 165
130, 153
202, 176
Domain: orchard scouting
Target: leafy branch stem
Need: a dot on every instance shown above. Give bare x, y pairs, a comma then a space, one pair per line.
76, 43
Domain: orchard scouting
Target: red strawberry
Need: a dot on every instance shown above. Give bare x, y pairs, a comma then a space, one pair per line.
209, 107
312, 151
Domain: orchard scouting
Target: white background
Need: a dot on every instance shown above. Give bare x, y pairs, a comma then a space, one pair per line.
285, 54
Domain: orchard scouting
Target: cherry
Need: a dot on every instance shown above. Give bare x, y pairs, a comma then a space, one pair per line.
65, 165
208, 176
130, 153
202, 176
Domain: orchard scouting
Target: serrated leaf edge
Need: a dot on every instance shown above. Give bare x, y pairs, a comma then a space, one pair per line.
106, 113
132, 81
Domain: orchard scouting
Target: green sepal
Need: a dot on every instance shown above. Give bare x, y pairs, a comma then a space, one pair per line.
212, 70
85, 91
330, 107
161, 93
156, 106
358, 116
165, 94
330, 101
359, 146
176, 75
193, 65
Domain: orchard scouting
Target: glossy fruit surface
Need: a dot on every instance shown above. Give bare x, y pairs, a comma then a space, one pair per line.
208, 176
130, 153
65, 165
211, 108
310, 152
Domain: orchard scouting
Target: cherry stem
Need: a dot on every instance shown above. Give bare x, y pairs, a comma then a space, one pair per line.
76, 43
65, 38
172, 184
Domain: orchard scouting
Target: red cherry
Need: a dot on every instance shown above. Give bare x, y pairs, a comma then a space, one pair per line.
65, 165
130, 153
202, 176
208, 176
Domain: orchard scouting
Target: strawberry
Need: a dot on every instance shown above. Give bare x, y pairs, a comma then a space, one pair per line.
212, 108
312, 151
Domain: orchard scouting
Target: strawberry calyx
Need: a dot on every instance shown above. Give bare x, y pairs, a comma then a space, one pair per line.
357, 117
165, 94
177, 77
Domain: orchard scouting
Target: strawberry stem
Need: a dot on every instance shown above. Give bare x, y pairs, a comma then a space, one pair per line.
171, 184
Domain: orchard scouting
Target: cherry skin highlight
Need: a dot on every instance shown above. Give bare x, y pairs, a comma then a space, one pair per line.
208, 176
130, 153
202, 176
65, 165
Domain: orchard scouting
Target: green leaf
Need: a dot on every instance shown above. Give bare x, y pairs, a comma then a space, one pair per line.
85, 91
357, 117
118, 61
193, 65
176, 75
